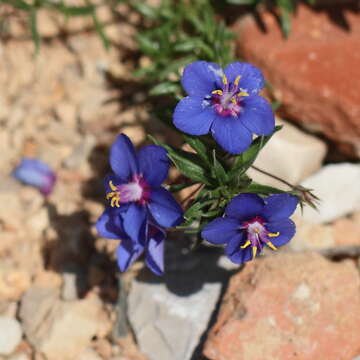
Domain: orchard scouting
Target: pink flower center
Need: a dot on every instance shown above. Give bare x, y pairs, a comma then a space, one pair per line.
227, 101
257, 235
136, 190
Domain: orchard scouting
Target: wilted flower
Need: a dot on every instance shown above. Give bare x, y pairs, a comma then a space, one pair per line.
138, 204
225, 103
36, 173
252, 222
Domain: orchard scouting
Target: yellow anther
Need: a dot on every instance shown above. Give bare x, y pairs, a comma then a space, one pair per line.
254, 250
224, 79
236, 82
114, 195
248, 243
273, 234
233, 100
112, 186
242, 93
217, 92
271, 245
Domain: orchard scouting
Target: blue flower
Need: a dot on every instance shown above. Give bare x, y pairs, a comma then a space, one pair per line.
225, 103
138, 203
252, 222
35, 173
149, 240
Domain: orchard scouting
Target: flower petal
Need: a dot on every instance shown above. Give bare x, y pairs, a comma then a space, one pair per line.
241, 256
153, 164
127, 253
200, 78
135, 222
285, 227
231, 134
221, 230
234, 243
245, 206
123, 158
110, 225
257, 115
252, 79
193, 116
279, 206
155, 252
164, 208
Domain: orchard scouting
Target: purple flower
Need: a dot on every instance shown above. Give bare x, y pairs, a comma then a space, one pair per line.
252, 222
225, 103
138, 204
149, 240
36, 173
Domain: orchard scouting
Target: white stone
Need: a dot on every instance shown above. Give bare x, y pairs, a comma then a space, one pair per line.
169, 326
291, 155
338, 187
88, 354
11, 335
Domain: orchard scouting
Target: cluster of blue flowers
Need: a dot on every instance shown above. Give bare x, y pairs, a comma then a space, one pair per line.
227, 104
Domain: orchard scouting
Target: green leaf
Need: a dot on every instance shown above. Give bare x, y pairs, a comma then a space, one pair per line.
219, 170
201, 149
75, 10
146, 10
34, 31
263, 189
246, 159
165, 88
187, 163
100, 30
19, 4
147, 45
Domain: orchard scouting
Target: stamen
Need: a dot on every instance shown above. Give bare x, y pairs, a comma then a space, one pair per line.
273, 234
233, 100
271, 245
112, 186
113, 195
217, 92
254, 250
248, 243
224, 79
242, 93
236, 82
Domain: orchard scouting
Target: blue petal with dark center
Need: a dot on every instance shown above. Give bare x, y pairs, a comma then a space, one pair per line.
155, 250
221, 230
285, 227
110, 224
279, 206
127, 253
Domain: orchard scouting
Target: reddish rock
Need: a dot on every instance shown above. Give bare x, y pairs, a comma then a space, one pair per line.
315, 72
289, 307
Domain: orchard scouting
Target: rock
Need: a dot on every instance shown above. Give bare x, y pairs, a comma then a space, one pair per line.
343, 232
69, 290
299, 68
11, 335
81, 153
38, 308
336, 186
88, 354
20, 356
170, 315
73, 327
13, 283
278, 156
289, 306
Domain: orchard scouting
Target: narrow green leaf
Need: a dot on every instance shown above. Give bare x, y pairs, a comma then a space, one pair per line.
263, 189
75, 10
34, 30
187, 163
145, 10
246, 159
219, 170
19, 4
201, 149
